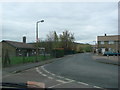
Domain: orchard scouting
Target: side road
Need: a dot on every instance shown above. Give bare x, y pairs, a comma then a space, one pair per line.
107, 59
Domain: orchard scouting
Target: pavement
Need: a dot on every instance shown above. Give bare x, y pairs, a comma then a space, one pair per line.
114, 60
22, 67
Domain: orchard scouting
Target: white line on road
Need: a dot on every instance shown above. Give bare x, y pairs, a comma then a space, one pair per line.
44, 69
96, 87
44, 75
59, 84
99, 87
83, 83
69, 80
50, 77
61, 81
60, 77
55, 85
38, 71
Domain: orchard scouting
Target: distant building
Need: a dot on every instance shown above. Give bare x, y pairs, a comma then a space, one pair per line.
108, 43
94, 48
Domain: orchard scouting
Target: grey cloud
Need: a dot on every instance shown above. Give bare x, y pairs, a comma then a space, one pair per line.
83, 19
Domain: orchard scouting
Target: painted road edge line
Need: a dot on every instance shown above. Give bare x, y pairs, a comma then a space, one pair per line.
59, 84
83, 83
70, 80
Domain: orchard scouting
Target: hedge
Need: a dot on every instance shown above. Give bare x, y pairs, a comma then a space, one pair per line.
58, 52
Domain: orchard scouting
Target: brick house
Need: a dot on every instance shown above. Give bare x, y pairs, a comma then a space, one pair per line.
108, 43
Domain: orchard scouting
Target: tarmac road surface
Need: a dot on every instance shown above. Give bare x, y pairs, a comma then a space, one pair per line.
82, 68
75, 71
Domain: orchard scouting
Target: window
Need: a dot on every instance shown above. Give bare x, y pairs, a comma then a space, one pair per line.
111, 42
102, 42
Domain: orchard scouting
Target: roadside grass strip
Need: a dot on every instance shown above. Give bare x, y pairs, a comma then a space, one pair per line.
21, 60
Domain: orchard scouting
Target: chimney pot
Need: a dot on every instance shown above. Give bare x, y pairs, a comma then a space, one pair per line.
105, 34
24, 39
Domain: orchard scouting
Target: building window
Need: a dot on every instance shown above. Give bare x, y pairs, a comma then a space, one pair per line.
102, 42
111, 42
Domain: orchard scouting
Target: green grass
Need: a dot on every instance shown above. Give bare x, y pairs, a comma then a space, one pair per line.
20, 60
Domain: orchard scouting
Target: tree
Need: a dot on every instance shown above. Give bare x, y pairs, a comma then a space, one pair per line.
56, 40
67, 40
49, 41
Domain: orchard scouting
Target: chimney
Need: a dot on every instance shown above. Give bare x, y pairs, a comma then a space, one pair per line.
105, 34
24, 39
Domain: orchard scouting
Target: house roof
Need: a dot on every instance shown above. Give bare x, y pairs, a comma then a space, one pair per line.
19, 44
109, 38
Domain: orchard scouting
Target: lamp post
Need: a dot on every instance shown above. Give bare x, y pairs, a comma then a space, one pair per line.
37, 39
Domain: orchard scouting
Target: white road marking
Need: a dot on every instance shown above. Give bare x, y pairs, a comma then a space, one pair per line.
38, 71
44, 75
55, 85
44, 69
83, 83
52, 74
69, 79
58, 84
61, 81
50, 77
99, 87
96, 87
60, 77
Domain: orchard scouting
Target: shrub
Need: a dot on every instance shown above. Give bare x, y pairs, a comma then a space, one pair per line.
58, 52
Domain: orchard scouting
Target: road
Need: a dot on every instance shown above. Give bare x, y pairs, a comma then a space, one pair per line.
75, 71
82, 67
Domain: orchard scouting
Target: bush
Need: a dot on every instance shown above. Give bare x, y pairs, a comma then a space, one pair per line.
68, 52
58, 52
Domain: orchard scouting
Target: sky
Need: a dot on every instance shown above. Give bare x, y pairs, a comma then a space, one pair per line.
86, 20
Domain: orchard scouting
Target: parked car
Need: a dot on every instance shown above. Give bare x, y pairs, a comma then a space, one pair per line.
108, 53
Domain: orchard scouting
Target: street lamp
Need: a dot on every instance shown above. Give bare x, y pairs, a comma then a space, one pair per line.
37, 38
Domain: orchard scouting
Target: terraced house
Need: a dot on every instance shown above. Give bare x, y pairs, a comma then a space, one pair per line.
108, 43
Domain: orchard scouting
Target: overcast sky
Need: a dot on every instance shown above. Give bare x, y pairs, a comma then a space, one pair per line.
86, 20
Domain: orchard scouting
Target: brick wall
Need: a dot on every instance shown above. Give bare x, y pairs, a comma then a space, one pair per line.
7, 47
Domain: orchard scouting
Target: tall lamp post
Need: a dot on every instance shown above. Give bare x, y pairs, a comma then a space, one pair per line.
37, 49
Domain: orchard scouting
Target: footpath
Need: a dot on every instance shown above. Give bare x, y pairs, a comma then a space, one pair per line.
114, 60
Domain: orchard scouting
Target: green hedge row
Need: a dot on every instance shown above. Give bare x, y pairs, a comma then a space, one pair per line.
58, 53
